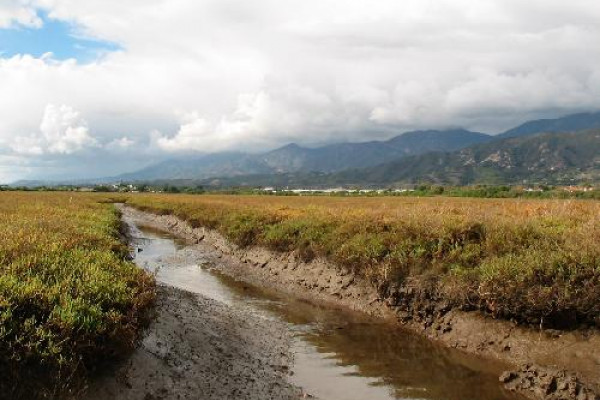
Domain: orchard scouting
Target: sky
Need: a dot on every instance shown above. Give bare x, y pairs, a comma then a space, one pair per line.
99, 87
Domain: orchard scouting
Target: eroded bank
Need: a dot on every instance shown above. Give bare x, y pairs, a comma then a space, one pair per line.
323, 283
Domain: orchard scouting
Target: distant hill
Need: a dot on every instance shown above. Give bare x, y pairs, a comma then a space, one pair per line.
570, 123
540, 151
200, 167
337, 157
557, 158
552, 158
28, 183
296, 159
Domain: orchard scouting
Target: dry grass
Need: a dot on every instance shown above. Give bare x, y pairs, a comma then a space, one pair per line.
537, 261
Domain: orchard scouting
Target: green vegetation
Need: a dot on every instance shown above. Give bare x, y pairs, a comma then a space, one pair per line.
552, 158
69, 298
584, 191
535, 261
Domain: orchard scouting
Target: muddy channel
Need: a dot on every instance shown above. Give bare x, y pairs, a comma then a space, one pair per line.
275, 346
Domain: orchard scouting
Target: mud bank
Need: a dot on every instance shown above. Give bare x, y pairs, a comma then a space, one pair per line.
539, 359
198, 348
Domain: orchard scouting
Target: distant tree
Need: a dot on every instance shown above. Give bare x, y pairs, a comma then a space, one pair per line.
171, 189
102, 188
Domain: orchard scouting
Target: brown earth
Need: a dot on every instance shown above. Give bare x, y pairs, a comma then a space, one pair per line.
542, 360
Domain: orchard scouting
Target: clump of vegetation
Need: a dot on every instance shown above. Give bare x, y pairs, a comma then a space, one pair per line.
68, 296
535, 261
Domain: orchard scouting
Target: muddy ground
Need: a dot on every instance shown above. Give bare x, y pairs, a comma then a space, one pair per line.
540, 359
198, 348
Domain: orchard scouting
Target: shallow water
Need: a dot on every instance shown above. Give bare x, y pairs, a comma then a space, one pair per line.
338, 355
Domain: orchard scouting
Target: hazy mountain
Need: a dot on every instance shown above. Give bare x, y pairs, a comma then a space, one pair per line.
553, 158
338, 157
570, 123
544, 158
420, 142
452, 156
200, 167
29, 183
294, 158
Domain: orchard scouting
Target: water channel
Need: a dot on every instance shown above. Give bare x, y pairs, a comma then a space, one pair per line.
337, 355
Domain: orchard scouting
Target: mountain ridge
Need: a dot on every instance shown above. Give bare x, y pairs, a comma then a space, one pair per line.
337, 157
293, 158
546, 158
414, 152
552, 158
568, 123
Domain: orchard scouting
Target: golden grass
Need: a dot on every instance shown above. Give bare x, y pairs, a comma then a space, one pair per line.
536, 261
68, 297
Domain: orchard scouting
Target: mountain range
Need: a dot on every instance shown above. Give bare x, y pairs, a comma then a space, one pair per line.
452, 156
293, 158
570, 123
561, 150
547, 158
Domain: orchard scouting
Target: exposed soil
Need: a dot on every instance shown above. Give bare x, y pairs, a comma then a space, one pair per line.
547, 383
537, 356
198, 348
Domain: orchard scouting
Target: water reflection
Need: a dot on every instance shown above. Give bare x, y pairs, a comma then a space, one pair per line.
337, 354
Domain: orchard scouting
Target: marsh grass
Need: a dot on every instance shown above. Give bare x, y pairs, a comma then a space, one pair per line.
534, 261
69, 299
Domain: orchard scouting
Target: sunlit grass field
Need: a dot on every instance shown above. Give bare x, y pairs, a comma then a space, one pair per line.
535, 261
68, 296
70, 299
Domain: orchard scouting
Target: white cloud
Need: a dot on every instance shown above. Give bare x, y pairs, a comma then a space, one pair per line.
18, 13
28, 145
193, 135
123, 143
262, 73
62, 131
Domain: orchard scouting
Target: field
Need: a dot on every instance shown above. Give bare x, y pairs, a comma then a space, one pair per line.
68, 297
533, 261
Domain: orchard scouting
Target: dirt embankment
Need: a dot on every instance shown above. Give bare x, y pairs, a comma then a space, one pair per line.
198, 348
541, 358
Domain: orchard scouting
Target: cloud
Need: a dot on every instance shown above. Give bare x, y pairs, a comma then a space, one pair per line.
15, 13
28, 145
192, 136
224, 74
62, 131
123, 143
263, 119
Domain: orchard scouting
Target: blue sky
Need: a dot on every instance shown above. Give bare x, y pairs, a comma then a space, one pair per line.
61, 38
